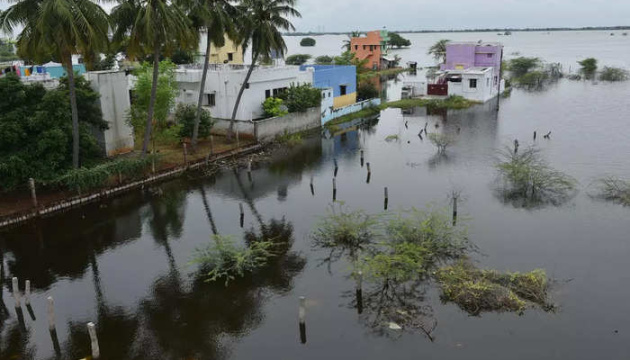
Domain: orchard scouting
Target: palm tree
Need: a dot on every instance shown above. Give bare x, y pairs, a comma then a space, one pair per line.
438, 50
152, 25
59, 28
218, 18
260, 28
346, 43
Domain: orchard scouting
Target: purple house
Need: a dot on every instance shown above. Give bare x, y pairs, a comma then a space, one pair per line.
472, 70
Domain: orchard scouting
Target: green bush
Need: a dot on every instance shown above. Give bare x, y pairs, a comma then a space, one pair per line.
522, 65
308, 41
613, 74
366, 90
273, 107
301, 97
324, 60
297, 59
185, 115
395, 40
588, 67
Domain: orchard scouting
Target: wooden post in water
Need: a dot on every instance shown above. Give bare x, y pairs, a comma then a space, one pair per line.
361, 157
96, 352
312, 187
31, 185
240, 207
386, 198
27, 293
302, 319
334, 189
249, 170
369, 173
51, 325
535, 135
454, 210
359, 292
16, 292
336, 167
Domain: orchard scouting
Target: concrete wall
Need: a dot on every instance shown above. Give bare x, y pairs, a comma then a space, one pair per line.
333, 113
267, 129
225, 82
342, 101
115, 104
484, 91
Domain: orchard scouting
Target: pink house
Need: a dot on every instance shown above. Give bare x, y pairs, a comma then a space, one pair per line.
471, 70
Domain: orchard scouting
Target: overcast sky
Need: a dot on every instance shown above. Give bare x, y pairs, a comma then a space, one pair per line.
348, 15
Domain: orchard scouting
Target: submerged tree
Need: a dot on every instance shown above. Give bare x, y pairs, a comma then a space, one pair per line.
588, 67
614, 189
528, 181
441, 141
613, 74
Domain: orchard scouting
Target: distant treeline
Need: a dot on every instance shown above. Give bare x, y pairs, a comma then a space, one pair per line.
608, 28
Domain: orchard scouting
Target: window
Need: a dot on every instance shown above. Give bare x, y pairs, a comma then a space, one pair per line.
267, 94
343, 89
495, 80
230, 56
211, 100
489, 56
356, 47
472, 83
371, 47
364, 47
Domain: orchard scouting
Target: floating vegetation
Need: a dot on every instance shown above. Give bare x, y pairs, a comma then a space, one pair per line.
345, 232
476, 291
391, 138
528, 181
615, 190
441, 141
224, 260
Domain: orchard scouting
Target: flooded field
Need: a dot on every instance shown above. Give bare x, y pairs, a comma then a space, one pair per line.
125, 265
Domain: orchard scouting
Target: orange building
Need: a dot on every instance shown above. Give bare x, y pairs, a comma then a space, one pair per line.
368, 47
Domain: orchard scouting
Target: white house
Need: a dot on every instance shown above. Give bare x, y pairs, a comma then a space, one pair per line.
473, 83
224, 82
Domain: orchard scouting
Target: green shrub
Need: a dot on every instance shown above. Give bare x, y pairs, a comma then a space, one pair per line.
185, 115
522, 65
297, 59
308, 41
324, 60
441, 141
273, 107
301, 97
615, 189
588, 67
290, 140
224, 260
613, 74
367, 90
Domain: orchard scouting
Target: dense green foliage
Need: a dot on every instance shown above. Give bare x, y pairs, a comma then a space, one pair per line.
297, 59
182, 57
395, 40
588, 67
185, 120
348, 58
324, 60
165, 96
366, 90
36, 130
522, 65
273, 107
528, 181
476, 291
308, 41
613, 74
438, 50
301, 97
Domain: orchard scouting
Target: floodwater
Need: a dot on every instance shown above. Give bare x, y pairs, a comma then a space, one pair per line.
125, 265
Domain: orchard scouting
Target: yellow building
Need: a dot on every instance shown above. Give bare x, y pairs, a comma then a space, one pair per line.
230, 53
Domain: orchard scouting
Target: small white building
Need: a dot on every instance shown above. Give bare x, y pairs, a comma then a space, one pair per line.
224, 81
474, 83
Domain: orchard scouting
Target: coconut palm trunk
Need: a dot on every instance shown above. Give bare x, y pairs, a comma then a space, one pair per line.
156, 73
240, 94
202, 87
75, 112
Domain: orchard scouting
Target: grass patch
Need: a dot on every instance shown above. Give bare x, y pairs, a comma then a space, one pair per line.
615, 190
290, 140
476, 291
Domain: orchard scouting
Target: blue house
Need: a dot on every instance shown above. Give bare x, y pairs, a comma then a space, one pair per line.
342, 79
